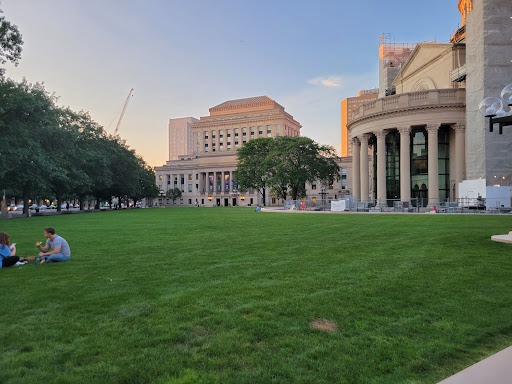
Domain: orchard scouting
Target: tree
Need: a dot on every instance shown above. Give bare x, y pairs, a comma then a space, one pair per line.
173, 194
28, 117
286, 164
252, 170
10, 43
295, 161
146, 187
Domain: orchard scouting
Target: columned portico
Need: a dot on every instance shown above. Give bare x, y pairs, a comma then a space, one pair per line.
381, 168
405, 164
460, 165
433, 165
356, 180
364, 166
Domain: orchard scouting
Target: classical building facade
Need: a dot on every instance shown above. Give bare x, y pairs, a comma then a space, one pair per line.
206, 176
425, 141
416, 136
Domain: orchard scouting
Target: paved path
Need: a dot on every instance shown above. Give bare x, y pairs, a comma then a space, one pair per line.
496, 369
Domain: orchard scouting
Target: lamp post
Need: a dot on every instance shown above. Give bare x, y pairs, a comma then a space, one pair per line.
498, 109
323, 193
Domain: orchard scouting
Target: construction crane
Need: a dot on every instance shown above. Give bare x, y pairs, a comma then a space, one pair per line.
124, 110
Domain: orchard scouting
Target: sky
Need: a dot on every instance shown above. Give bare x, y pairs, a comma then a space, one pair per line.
184, 57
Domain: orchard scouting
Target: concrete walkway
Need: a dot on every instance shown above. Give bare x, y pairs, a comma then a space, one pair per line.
496, 369
503, 238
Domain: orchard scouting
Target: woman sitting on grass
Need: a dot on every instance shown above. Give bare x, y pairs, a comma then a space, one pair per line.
8, 256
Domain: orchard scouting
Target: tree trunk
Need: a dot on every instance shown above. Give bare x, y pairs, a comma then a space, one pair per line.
26, 208
59, 203
97, 206
262, 192
295, 190
82, 201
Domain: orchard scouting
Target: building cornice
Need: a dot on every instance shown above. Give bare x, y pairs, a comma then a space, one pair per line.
405, 111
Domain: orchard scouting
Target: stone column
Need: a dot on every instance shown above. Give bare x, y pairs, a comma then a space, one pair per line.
356, 175
460, 164
364, 166
405, 164
381, 169
433, 165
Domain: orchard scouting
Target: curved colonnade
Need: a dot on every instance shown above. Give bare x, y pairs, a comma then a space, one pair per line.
407, 125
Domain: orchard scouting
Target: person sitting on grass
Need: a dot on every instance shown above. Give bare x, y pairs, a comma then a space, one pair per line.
8, 256
59, 248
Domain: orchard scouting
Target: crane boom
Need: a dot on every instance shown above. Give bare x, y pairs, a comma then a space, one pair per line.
124, 110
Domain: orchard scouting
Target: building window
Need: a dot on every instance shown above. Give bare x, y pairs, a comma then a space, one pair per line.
252, 132
213, 134
189, 201
160, 177
277, 127
221, 147
236, 132
198, 150
228, 133
190, 187
244, 131
313, 185
260, 131
343, 178
206, 135
181, 201
221, 133
190, 176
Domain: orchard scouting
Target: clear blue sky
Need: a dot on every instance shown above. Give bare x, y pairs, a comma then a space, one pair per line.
184, 57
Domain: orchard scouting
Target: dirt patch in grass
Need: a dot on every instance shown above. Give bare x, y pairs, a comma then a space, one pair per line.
324, 325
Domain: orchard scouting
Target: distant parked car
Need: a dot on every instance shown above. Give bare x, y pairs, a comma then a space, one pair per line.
43, 207
52, 207
34, 206
19, 207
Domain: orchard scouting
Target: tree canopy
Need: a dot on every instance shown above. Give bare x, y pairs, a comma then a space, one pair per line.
10, 42
56, 153
285, 164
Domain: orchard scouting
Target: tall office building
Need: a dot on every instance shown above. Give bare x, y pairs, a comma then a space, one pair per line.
180, 137
347, 106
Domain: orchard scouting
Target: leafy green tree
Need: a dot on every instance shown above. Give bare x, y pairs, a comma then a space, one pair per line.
10, 43
252, 170
173, 194
295, 161
28, 118
146, 187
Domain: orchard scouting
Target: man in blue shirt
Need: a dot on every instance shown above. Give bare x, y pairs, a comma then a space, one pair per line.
56, 248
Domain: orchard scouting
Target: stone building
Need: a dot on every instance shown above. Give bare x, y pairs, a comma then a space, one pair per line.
207, 176
428, 143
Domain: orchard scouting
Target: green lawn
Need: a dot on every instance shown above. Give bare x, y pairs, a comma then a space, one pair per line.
227, 295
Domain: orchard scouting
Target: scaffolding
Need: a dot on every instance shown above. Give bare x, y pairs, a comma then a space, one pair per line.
393, 54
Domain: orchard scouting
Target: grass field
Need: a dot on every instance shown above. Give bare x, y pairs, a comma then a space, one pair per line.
227, 295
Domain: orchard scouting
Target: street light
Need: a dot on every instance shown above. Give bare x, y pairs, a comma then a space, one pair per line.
498, 109
210, 198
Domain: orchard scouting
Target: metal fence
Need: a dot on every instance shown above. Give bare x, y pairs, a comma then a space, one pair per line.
415, 205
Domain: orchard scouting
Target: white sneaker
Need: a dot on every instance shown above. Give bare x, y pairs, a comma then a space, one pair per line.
21, 263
